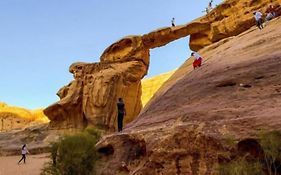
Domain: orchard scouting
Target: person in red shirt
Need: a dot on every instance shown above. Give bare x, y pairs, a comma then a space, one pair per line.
197, 61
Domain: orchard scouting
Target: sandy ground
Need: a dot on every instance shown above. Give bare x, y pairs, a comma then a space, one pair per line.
33, 166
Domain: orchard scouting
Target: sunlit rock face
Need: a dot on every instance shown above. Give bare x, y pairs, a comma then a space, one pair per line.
151, 85
186, 126
229, 19
90, 99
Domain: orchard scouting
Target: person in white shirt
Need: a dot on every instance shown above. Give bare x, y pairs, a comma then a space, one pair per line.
258, 17
197, 61
24, 151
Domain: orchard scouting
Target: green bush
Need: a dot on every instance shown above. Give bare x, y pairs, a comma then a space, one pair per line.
270, 143
240, 166
73, 155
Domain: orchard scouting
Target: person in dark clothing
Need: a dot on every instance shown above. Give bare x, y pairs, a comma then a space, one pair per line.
24, 151
121, 113
173, 22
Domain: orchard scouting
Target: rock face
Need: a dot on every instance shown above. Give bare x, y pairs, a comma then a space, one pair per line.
90, 99
230, 18
185, 127
151, 85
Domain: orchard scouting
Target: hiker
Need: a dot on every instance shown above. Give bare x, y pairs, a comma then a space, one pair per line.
258, 18
121, 113
173, 22
198, 60
24, 151
209, 8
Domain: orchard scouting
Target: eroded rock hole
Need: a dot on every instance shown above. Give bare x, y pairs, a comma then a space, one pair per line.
250, 147
226, 84
107, 150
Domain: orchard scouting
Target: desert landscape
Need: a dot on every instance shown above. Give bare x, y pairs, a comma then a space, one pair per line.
220, 118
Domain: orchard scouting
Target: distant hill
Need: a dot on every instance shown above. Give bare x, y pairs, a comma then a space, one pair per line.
151, 85
12, 117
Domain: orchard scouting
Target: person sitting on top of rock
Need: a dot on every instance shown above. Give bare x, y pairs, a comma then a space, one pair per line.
271, 10
258, 18
270, 13
198, 60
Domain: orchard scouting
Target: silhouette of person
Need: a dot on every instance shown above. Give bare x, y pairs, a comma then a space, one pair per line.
121, 114
24, 151
173, 22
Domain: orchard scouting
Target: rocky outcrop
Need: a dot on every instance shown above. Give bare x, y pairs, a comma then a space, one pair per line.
230, 18
186, 126
91, 98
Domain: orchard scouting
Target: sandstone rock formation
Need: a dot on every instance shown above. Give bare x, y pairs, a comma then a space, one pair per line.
184, 128
151, 85
90, 99
12, 117
230, 18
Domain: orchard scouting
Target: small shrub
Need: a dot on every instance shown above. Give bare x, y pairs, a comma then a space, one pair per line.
73, 155
268, 163
240, 166
271, 145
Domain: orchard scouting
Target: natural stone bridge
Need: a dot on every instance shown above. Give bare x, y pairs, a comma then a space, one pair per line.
90, 99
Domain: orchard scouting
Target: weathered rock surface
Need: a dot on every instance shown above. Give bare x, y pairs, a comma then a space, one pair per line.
230, 18
91, 98
185, 127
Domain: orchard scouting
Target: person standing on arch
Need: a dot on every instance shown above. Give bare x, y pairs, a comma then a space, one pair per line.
173, 22
197, 61
121, 114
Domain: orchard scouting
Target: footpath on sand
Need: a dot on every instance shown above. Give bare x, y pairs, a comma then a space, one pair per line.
33, 165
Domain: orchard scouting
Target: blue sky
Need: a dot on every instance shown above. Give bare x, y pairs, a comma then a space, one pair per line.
39, 39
